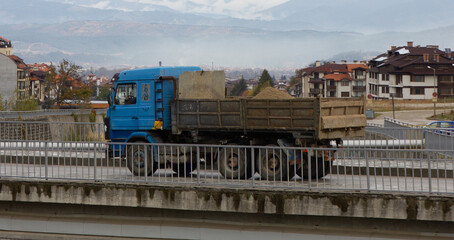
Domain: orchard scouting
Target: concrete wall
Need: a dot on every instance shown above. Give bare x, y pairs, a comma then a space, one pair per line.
8, 77
251, 201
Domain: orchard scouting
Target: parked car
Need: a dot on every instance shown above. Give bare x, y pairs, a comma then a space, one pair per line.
442, 127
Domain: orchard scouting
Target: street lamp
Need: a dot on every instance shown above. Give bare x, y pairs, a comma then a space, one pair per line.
435, 91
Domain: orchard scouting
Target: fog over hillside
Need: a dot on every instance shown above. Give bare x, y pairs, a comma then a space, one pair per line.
287, 34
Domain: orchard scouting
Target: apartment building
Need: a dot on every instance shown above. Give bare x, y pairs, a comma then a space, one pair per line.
6, 48
23, 77
8, 77
412, 72
335, 80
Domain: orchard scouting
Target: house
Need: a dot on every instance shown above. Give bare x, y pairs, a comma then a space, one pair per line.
412, 72
6, 48
38, 84
334, 80
96, 82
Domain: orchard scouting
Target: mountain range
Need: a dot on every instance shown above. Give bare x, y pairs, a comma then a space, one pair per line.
295, 33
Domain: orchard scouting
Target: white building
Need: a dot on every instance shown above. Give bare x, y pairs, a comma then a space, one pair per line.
411, 72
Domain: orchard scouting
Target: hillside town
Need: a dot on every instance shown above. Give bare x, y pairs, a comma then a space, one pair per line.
409, 72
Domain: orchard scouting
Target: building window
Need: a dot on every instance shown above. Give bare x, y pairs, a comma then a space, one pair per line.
359, 73
385, 77
345, 83
385, 89
426, 57
398, 79
436, 57
21, 85
444, 78
417, 78
417, 91
345, 94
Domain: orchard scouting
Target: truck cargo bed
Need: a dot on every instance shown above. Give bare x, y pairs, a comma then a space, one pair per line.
321, 118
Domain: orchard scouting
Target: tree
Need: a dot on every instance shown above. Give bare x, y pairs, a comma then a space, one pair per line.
264, 81
297, 78
104, 93
64, 83
238, 88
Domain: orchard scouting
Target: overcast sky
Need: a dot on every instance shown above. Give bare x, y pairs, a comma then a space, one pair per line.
233, 8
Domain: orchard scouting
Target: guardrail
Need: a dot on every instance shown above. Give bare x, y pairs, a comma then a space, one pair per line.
52, 131
352, 169
376, 136
47, 112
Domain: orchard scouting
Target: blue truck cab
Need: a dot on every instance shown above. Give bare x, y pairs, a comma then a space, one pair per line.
140, 103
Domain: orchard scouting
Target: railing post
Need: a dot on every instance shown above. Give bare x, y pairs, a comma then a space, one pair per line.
253, 165
198, 164
309, 167
95, 161
429, 172
367, 171
46, 160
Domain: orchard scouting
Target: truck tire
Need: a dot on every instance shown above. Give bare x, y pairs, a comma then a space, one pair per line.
233, 164
319, 168
272, 165
137, 156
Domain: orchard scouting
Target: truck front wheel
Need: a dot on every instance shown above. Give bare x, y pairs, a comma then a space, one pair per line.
139, 159
233, 163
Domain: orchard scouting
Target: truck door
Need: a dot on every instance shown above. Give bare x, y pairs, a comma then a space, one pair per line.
146, 106
124, 111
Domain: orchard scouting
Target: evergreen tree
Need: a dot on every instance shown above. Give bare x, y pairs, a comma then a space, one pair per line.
239, 88
264, 81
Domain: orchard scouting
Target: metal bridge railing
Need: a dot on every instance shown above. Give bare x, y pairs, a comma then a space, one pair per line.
52, 131
47, 112
350, 169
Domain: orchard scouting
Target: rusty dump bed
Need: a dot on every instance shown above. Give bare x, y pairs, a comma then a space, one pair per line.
321, 118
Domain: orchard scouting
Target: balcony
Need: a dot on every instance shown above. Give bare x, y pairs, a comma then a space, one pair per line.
315, 80
359, 88
359, 78
314, 91
331, 87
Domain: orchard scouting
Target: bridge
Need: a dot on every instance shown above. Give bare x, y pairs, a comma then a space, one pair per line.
72, 188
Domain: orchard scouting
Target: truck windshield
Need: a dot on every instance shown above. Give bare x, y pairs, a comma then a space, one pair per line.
125, 94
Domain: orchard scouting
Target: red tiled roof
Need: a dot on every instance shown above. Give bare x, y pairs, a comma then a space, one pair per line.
327, 68
356, 66
4, 39
18, 61
337, 77
15, 58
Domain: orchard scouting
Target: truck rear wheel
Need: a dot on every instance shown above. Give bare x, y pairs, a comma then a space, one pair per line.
272, 165
139, 159
234, 164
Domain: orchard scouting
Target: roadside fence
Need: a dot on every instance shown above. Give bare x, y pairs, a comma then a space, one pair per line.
351, 169
46, 112
52, 131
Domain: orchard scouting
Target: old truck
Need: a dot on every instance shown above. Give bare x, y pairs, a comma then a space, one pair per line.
186, 105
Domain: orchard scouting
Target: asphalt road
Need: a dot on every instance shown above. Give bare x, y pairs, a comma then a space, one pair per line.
417, 117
